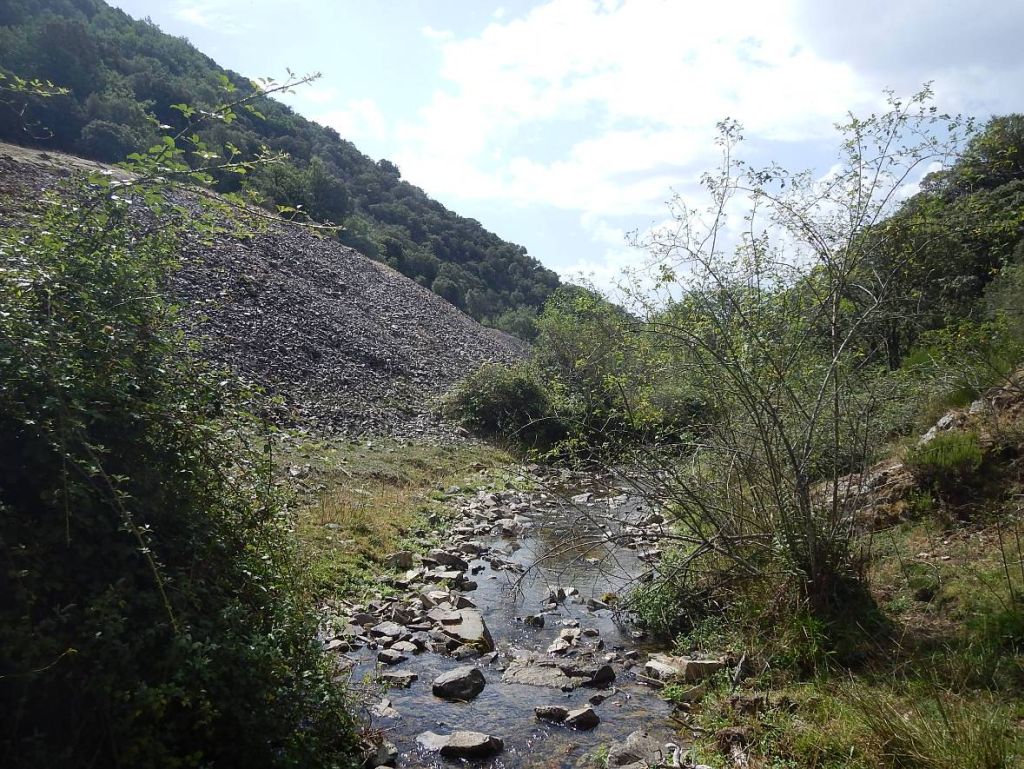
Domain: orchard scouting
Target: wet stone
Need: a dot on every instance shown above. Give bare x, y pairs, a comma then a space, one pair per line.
554, 713
471, 745
463, 683
582, 718
399, 679
390, 657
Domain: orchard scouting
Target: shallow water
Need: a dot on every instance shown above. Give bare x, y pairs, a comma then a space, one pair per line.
553, 552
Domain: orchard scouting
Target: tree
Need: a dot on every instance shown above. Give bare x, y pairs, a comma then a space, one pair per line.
767, 329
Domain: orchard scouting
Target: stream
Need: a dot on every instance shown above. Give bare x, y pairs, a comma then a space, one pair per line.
523, 551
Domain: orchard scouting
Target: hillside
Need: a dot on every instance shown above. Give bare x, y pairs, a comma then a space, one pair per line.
348, 343
121, 73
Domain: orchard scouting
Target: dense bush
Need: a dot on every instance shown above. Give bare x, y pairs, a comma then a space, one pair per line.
948, 461
151, 612
504, 401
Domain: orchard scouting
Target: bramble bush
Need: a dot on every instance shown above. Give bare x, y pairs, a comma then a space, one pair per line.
152, 613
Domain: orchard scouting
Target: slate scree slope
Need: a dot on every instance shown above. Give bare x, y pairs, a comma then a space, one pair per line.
348, 344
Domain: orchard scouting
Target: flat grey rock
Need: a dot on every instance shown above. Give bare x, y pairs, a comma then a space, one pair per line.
638, 747
471, 745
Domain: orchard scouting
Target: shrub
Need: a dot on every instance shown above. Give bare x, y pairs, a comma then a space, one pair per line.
503, 401
151, 611
947, 461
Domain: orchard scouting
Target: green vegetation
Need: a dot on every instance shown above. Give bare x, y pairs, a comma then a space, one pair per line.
948, 461
504, 401
375, 496
942, 689
752, 395
153, 611
595, 388
125, 78
157, 590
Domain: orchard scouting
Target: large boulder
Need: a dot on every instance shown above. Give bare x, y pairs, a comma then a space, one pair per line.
461, 744
638, 747
463, 683
471, 745
667, 668
467, 627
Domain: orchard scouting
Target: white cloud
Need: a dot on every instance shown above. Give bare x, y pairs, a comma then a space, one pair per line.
439, 35
643, 84
359, 119
602, 107
194, 15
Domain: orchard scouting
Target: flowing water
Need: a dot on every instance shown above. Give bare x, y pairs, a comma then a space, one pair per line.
560, 548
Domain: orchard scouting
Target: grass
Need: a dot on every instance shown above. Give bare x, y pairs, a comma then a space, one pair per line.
356, 502
944, 689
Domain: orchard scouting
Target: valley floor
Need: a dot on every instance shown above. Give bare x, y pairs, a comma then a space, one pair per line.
935, 683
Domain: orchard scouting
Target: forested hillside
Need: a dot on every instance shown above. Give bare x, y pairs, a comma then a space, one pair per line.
125, 77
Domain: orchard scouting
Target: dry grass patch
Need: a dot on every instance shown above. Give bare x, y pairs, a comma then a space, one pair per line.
358, 501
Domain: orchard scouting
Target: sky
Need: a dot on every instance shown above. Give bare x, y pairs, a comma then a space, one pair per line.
563, 125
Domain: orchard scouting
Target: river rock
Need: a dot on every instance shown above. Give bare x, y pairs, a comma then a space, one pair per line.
390, 657
471, 745
559, 646
534, 670
592, 674
524, 672
463, 683
442, 615
448, 559
666, 668
470, 629
387, 630
384, 709
554, 713
400, 679
582, 718
465, 652
431, 741
638, 747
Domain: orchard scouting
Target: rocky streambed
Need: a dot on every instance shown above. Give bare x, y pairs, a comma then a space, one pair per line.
505, 645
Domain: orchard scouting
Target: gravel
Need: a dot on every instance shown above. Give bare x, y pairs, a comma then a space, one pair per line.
348, 345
